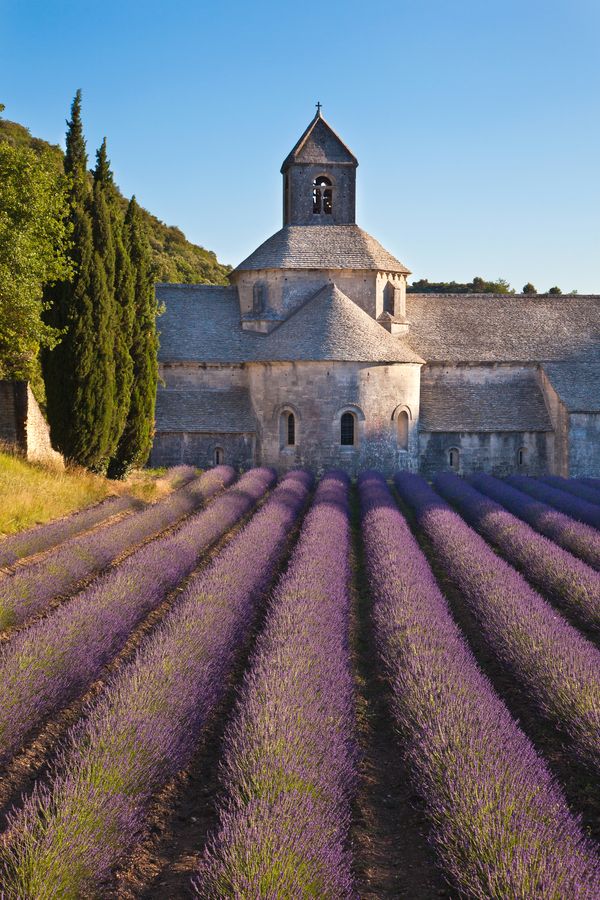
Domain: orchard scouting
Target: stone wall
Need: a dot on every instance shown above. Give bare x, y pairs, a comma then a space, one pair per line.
192, 376
584, 445
284, 290
493, 452
298, 194
198, 449
318, 393
22, 424
560, 421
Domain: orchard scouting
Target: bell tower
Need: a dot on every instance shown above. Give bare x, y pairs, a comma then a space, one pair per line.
319, 178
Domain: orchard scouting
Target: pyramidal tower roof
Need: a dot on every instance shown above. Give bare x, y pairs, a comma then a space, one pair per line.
319, 144
330, 326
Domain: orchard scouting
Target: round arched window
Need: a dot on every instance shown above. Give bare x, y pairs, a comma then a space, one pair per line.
454, 458
403, 429
348, 429
218, 456
287, 429
322, 195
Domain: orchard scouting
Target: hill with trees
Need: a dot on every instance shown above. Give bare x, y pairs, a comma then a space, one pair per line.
175, 258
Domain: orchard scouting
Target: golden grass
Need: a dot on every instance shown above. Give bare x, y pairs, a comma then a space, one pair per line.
31, 493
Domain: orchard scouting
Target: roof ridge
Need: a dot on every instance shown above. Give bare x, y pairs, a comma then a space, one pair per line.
305, 136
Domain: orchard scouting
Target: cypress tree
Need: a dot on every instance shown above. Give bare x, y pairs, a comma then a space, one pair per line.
136, 440
79, 372
110, 244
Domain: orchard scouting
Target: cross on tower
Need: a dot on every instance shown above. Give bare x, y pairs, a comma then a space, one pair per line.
318, 104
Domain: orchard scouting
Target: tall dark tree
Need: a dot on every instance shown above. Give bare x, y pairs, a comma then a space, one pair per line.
136, 440
78, 372
111, 245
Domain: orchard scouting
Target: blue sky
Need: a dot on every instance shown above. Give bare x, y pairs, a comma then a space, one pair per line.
476, 123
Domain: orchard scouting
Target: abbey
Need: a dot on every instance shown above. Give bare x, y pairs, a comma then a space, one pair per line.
316, 356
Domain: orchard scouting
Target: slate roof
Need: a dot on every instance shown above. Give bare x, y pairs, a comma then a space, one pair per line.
319, 144
457, 405
201, 323
577, 384
500, 328
322, 247
330, 326
204, 410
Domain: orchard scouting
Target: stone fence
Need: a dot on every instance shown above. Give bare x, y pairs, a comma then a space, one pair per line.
22, 423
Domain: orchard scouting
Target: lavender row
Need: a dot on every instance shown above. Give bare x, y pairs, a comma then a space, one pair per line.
560, 576
580, 539
573, 486
48, 664
572, 506
67, 839
49, 534
43, 537
593, 482
501, 825
552, 661
26, 592
289, 767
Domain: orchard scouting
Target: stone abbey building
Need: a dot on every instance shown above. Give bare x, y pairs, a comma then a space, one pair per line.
316, 356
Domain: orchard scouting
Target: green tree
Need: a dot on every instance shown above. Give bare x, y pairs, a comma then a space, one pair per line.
529, 288
34, 237
79, 371
555, 290
121, 284
136, 439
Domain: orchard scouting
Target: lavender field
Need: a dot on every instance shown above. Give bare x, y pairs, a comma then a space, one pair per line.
263, 687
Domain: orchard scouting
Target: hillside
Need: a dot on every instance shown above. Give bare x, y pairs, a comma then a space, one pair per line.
176, 258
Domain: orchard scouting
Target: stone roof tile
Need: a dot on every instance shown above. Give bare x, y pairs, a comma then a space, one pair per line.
577, 384
330, 326
201, 323
322, 247
504, 328
457, 405
216, 411
319, 144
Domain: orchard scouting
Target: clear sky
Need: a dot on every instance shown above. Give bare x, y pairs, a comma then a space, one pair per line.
476, 122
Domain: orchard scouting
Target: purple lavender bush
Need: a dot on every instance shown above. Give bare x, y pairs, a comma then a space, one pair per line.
501, 825
27, 591
50, 534
561, 577
554, 664
48, 664
289, 768
572, 506
573, 486
67, 838
43, 537
576, 537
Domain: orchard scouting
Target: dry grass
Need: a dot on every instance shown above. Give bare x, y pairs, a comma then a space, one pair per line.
31, 493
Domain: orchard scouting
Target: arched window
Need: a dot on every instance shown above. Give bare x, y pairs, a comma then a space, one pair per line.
522, 456
454, 458
347, 429
403, 429
322, 195
218, 456
291, 429
287, 429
